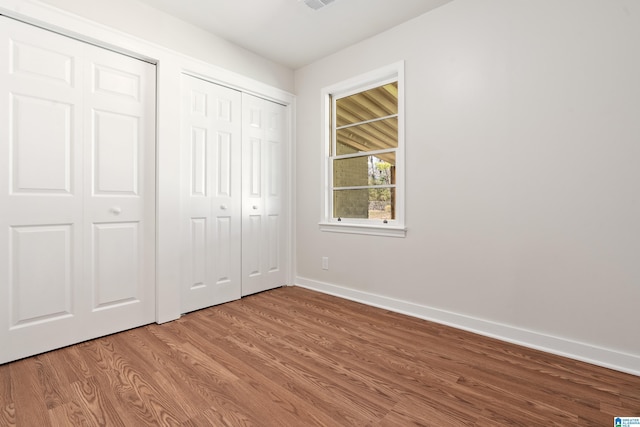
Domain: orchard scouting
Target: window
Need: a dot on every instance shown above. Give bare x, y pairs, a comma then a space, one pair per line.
364, 154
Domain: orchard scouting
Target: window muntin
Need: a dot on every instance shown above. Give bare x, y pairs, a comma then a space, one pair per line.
380, 134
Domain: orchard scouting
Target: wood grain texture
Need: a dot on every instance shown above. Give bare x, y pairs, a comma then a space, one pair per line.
293, 357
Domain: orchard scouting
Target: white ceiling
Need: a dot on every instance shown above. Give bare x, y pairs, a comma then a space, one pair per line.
289, 32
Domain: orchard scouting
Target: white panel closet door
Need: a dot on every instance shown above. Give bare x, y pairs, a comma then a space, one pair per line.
264, 221
77, 148
211, 156
119, 184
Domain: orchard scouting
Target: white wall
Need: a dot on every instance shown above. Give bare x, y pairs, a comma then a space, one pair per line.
145, 22
523, 184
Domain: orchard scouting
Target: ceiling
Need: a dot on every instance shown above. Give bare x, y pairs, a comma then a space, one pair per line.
289, 32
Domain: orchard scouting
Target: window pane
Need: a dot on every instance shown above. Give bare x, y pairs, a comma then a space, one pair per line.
365, 170
375, 203
378, 135
378, 102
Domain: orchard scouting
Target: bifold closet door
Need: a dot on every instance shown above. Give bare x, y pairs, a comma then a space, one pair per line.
77, 191
264, 213
211, 165
233, 176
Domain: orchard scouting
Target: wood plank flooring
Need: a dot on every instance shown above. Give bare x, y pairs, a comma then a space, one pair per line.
293, 357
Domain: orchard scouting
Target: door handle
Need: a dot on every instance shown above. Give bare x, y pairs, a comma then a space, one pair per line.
223, 207
116, 210
255, 207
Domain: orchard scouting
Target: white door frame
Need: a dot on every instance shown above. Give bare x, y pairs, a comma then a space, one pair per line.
170, 65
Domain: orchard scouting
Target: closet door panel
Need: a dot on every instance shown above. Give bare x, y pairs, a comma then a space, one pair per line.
43, 293
40, 190
253, 185
76, 191
211, 167
38, 167
199, 253
29, 56
274, 200
199, 162
224, 272
198, 175
119, 196
116, 154
264, 238
274, 243
252, 248
225, 209
116, 265
224, 165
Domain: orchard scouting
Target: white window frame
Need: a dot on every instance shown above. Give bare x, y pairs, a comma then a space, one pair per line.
395, 227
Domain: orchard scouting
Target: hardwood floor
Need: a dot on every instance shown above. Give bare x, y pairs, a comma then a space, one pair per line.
293, 357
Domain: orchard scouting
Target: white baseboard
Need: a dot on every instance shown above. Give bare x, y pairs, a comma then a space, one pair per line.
579, 351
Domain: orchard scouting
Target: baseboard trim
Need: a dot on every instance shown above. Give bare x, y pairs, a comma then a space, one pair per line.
599, 356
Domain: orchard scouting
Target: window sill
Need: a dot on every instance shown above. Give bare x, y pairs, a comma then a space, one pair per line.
371, 230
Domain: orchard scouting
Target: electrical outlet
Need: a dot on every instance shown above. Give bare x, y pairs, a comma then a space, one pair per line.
325, 262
